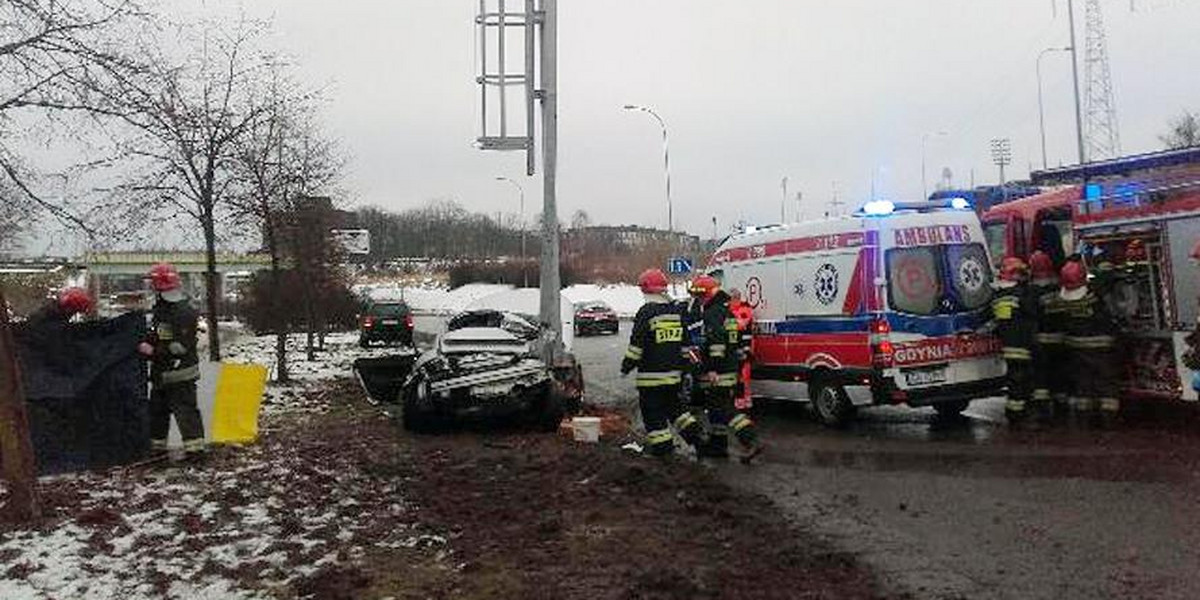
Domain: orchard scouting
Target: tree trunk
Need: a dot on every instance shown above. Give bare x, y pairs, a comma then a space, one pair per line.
212, 283
16, 448
282, 325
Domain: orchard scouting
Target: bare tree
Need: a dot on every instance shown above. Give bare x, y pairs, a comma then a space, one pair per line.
183, 121
1184, 133
53, 54
283, 159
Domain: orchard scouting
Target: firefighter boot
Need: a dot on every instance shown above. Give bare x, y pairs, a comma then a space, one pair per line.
717, 444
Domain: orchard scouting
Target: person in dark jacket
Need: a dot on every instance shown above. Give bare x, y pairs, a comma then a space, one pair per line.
1051, 389
1014, 308
69, 302
174, 365
1091, 342
719, 355
656, 352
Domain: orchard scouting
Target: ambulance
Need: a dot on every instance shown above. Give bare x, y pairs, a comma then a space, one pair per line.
886, 306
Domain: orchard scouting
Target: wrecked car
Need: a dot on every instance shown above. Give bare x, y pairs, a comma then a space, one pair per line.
488, 364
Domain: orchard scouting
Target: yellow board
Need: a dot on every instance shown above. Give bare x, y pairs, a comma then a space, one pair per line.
235, 408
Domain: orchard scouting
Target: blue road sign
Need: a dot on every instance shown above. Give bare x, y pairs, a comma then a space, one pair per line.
679, 265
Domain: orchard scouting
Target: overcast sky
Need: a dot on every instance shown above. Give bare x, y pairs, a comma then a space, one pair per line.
752, 91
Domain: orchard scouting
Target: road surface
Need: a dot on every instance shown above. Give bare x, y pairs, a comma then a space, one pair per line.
966, 508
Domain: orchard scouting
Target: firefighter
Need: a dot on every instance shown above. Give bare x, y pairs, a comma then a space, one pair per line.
1015, 312
719, 354
174, 365
1050, 391
656, 352
69, 302
693, 322
745, 320
1090, 345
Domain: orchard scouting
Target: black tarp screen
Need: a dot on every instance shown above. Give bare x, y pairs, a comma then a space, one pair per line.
86, 389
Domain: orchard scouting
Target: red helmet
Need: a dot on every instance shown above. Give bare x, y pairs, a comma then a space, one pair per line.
704, 286
1073, 275
653, 281
1042, 266
164, 278
73, 301
1013, 269
1196, 251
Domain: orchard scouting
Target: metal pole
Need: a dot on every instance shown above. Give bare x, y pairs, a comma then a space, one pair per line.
530, 93
1041, 110
783, 204
1075, 76
500, 31
551, 287
666, 158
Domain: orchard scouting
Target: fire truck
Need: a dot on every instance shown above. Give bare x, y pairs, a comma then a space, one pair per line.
1141, 214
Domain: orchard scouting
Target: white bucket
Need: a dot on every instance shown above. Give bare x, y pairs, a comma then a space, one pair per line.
586, 429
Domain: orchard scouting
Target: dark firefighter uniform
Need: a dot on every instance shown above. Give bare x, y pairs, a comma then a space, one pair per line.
693, 323
1051, 358
1091, 343
1015, 312
174, 369
656, 352
720, 354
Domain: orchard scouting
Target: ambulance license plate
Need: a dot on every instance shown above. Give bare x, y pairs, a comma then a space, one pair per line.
918, 377
390, 322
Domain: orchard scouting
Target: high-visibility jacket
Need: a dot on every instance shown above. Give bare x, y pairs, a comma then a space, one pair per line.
721, 341
1087, 323
656, 344
1015, 311
173, 336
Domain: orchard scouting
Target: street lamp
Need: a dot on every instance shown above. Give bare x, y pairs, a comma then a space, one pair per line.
1041, 110
925, 138
666, 159
521, 190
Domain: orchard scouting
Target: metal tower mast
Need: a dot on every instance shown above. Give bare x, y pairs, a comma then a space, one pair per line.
1102, 138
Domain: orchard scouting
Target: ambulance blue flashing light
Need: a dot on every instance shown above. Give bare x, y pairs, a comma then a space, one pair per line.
879, 208
960, 204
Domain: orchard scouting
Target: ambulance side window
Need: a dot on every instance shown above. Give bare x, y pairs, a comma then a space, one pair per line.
914, 281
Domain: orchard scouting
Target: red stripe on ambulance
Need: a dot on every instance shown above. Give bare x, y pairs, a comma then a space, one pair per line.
817, 243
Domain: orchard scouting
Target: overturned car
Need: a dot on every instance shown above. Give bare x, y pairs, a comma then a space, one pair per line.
488, 364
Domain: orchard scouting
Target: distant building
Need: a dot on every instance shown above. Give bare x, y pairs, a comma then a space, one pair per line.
628, 239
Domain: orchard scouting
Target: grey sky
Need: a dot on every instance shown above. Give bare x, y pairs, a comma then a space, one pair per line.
752, 90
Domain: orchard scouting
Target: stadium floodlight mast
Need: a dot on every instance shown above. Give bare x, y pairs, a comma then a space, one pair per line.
666, 158
521, 191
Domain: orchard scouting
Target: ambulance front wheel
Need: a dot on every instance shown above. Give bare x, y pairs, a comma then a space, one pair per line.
831, 404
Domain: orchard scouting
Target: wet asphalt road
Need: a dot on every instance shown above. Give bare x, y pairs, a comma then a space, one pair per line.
966, 508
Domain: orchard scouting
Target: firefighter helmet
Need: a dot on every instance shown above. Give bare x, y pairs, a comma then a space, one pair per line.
1073, 275
164, 278
73, 301
704, 286
653, 281
1013, 269
1042, 266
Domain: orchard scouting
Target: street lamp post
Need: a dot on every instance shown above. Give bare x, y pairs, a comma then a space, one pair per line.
521, 190
666, 159
1041, 110
924, 139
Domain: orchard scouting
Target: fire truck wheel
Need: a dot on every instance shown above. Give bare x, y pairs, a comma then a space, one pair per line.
832, 404
952, 408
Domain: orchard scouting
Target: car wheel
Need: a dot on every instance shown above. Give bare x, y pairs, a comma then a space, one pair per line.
831, 404
552, 409
411, 416
951, 409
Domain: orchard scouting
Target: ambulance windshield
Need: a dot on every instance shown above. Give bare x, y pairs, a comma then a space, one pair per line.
920, 278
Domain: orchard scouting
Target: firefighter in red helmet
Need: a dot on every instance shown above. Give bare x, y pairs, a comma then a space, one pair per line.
68, 303
745, 319
1091, 345
1050, 391
174, 364
1014, 310
656, 352
719, 353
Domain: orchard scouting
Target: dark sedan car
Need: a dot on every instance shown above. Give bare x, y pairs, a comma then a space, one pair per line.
595, 318
388, 322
